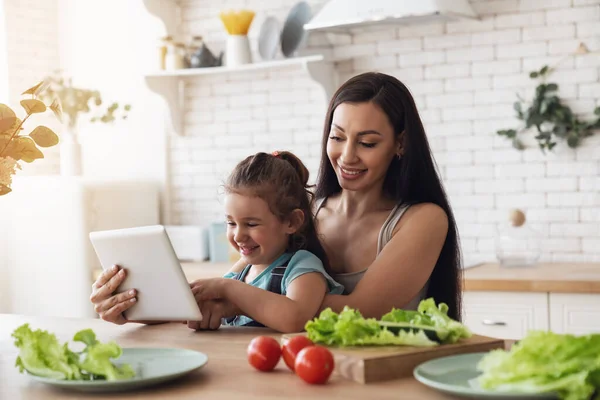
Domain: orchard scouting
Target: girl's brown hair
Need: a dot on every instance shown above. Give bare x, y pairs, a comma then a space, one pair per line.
280, 179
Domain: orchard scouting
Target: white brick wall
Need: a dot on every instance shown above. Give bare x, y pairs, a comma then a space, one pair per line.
464, 77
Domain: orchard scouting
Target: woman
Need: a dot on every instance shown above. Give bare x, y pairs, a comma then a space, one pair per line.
382, 214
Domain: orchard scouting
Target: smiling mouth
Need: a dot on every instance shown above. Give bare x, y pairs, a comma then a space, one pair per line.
246, 250
351, 171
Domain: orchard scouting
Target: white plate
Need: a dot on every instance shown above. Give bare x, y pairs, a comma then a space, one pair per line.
457, 375
152, 366
268, 39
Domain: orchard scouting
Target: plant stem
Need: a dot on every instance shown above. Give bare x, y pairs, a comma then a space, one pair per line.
14, 134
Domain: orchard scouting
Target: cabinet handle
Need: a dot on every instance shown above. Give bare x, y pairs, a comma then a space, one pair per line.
492, 322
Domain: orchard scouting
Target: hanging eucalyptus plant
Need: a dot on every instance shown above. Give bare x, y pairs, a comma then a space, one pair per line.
551, 118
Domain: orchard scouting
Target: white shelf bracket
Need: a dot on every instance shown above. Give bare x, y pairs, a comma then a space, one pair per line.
172, 89
168, 11
323, 73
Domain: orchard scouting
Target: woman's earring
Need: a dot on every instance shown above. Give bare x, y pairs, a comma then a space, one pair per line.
399, 156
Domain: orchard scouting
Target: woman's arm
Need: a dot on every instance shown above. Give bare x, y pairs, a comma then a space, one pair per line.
283, 313
403, 266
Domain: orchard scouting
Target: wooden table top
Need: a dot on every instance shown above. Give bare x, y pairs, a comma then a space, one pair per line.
544, 277
227, 375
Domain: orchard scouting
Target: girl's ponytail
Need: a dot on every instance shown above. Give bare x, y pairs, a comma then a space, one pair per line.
298, 165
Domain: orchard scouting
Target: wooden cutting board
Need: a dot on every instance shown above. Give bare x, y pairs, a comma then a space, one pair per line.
381, 363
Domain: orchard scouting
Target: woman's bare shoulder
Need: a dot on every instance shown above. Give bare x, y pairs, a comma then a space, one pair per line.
428, 214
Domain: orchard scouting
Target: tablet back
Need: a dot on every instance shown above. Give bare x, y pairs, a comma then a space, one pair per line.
152, 269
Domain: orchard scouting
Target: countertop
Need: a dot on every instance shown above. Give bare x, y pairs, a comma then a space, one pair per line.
227, 375
544, 277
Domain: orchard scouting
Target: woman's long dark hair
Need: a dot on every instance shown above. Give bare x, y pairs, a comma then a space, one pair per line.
410, 180
280, 179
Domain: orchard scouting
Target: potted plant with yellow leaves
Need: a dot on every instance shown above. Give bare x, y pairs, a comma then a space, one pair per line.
16, 145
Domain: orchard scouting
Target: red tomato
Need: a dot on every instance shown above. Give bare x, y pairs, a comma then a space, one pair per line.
314, 364
291, 347
264, 353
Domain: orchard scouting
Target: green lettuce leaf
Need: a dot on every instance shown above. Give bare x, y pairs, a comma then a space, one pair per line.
350, 328
545, 362
449, 330
97, 357
41, 354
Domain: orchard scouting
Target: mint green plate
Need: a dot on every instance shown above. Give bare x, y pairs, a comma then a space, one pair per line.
152, 366
456, 375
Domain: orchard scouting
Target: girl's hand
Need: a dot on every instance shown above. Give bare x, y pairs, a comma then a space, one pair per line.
209, 289
109, 306
212, 313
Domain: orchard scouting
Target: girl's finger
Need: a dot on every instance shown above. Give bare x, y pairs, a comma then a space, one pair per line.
206, 314
215, 321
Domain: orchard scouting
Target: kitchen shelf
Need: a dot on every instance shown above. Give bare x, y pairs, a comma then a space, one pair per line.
171, 84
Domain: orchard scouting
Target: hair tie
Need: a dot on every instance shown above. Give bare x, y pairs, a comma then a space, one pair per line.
275, 154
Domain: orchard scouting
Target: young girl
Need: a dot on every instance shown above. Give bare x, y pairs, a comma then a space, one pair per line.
280, 280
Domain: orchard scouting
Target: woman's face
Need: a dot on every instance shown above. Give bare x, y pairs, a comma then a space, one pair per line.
361, 145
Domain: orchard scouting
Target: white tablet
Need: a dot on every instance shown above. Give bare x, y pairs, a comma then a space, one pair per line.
153, 269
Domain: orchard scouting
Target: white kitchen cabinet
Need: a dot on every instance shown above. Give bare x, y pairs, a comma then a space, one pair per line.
506, 315
574, 313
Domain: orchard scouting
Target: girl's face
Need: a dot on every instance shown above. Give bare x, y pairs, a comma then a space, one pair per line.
361, 145
254, 231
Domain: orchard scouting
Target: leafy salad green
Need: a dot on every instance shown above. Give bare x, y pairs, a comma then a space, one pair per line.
545, 362
41, 354
429, 325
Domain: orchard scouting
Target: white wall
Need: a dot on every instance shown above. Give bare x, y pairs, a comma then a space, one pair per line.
3, 54
464, 77
107, 46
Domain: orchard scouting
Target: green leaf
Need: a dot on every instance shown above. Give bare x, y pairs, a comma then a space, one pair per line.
350, 328
544, 362
517, 106
533, 74
517, 144
86, 336
41, 354
560, 130
544, 70
551, 87
573, 141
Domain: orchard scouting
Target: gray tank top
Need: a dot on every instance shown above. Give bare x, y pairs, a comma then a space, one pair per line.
351, 279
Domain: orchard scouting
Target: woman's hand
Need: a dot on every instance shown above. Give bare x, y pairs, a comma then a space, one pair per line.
110, 307
212, 313
209, 289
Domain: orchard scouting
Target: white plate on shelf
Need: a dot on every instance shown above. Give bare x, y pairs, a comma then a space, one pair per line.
268, 38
